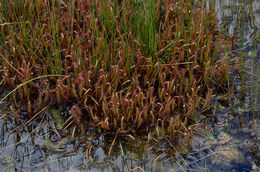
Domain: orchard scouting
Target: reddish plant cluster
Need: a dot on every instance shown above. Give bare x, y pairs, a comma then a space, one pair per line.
122, 65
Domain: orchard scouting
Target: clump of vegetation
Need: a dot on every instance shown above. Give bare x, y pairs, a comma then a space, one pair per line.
121, 65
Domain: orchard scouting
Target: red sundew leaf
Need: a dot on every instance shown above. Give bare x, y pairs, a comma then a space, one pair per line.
76, 114
122, 127
105, 109
140, 121
170, 128
129, 114
105, 124
161, 94
15, 113
140, 99
152, 104
145, 111
74, 94
153, 117
167, 108
29, 109
58, 95
137, 114
208, 98
39, 99
115, 122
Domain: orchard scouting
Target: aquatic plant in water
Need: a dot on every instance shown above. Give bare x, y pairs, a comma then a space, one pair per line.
122, 66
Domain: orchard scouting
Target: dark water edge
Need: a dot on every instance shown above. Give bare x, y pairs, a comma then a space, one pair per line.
234, 145
231, 143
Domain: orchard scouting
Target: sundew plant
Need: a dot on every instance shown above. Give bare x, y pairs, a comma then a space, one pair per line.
123, 66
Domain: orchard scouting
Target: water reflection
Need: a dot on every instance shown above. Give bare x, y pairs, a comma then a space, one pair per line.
234, 144
39, 148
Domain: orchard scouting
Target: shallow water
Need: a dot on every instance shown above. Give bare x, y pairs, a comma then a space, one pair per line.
232, 141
